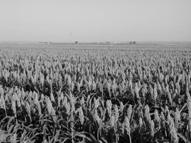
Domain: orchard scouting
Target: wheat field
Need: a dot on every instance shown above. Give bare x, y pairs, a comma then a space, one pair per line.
93, 93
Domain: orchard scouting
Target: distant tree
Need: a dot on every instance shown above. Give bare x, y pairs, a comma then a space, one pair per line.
132, 42
107, 42
76, 42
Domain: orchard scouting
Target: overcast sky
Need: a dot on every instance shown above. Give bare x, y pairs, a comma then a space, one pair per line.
95, 20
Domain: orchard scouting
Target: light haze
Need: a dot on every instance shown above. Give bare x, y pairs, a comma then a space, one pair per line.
95, 20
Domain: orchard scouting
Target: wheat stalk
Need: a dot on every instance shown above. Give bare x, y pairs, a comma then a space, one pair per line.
126, 125
173, 132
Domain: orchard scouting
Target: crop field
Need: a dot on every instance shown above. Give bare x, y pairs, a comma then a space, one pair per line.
93, 93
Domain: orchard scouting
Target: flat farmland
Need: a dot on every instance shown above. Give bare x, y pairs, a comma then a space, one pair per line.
95, 93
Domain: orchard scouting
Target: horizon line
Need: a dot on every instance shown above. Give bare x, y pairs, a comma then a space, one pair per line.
97, 42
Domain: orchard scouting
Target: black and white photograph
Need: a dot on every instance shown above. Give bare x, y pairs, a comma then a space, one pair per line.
95, 71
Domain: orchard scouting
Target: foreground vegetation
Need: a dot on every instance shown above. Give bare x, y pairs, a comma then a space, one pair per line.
95, 96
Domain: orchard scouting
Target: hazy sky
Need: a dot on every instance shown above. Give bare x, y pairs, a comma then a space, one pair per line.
95, 20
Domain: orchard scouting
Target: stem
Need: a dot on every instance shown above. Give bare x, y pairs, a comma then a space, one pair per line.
130, 138
183, 107
72, 127
117, 138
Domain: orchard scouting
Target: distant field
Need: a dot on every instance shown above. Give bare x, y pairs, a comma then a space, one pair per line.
59, 49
